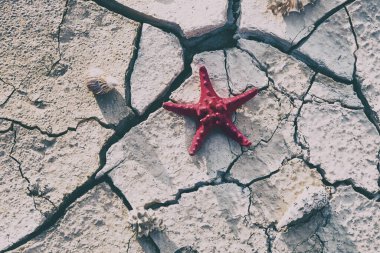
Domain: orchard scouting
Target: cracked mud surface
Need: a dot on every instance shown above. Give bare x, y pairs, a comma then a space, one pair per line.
74, 165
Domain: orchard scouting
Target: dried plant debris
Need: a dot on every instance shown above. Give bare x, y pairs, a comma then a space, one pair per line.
311, 200
99, 83
186, 249
284, 7
143, 222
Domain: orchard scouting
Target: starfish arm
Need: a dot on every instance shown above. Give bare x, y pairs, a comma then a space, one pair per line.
199, 137
231, 130
234, 102
181, 109
206, 88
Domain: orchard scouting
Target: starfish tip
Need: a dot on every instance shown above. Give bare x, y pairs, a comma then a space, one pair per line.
202, 69
167, 105
247, 144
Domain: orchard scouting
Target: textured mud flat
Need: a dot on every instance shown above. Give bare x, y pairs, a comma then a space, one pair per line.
77, 170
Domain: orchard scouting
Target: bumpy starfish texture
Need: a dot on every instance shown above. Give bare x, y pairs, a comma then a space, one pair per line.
212, 111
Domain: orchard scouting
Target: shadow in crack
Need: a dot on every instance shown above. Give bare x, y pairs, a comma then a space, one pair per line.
148, 245
144, 157
309, 235
229, 211
163, 242
155, 152
202, 155
112, 106
302, 236
160, 154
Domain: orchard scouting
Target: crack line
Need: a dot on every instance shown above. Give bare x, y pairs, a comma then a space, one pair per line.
61, 210
221, 37
369, 112
292, 51
331, 102
59, 38
131, 66
190, 46
304, 147
318, 23
10, 95
298, 114
54, 135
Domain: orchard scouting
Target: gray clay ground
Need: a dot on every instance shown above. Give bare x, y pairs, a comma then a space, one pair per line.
78, 170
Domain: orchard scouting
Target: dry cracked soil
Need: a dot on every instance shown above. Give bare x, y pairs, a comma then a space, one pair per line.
111, 173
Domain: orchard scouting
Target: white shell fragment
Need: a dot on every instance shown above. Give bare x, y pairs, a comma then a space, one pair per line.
286, 6
311, 199
98, 83
143, 222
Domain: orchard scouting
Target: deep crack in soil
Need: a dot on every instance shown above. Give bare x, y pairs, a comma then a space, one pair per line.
221, 38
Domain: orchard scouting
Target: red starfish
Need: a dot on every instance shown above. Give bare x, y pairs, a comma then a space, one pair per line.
212, 111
